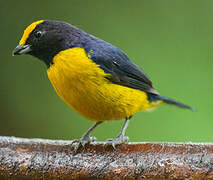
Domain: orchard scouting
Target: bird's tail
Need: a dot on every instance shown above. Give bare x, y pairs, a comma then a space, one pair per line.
155, 97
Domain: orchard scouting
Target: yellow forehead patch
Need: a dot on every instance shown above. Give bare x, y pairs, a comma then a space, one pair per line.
28, 30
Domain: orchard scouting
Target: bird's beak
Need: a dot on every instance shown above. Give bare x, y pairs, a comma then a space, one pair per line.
21, 49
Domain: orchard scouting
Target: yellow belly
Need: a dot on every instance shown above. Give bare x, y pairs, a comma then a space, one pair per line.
83, 86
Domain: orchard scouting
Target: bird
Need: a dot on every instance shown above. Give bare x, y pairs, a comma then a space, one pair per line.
93, 77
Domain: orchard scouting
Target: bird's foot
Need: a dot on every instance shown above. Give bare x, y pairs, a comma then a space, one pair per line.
87, 140
118, 140
82, 142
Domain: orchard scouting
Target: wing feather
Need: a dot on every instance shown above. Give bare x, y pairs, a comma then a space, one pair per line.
122, 71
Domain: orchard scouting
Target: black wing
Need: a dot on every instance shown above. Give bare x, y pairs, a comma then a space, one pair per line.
114, 62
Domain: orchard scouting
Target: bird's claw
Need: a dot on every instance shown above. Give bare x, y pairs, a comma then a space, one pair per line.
82, 142
87, 140
117, 140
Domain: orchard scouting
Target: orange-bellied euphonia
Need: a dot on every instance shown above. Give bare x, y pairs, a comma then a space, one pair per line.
95, 78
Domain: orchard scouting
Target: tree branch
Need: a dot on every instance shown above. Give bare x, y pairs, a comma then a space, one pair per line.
55, 159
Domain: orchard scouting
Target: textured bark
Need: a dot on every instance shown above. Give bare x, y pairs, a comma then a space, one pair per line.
54, 159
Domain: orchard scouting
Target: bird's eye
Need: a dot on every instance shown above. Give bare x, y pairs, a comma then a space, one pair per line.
38, 34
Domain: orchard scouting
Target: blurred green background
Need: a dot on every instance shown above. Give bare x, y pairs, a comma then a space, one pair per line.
171, 40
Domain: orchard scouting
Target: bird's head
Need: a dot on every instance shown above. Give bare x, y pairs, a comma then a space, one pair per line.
44, 39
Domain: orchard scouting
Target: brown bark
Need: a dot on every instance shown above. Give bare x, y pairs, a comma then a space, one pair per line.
54, 159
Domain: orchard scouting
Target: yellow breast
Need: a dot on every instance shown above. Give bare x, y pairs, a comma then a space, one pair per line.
83, 86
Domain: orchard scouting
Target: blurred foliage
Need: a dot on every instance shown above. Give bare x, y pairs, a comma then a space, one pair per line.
171, 40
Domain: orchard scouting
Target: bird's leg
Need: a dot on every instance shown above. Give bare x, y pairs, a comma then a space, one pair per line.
123, 130
120, 138
86, 136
